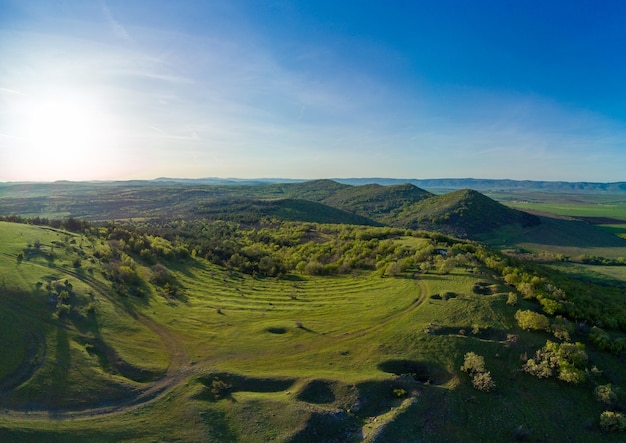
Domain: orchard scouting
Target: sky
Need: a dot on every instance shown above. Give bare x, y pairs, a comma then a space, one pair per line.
140, 89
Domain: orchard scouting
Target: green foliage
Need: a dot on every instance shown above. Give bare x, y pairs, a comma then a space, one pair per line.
511, 299
399, 393
474, 365
219, 388
562, 328
92, 354
611, 421
605, 342
483, 381
566, 361
606, 395
531, 320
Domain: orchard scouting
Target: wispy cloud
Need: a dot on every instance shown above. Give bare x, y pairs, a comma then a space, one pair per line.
118, 29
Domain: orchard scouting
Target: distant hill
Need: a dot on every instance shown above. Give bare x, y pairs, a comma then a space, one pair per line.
465, 212
462, 212
250, 211
491, 185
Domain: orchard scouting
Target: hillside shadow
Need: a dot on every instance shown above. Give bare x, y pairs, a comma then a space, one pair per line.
572, 233
318, 392
419, 371
222, 385
326, 426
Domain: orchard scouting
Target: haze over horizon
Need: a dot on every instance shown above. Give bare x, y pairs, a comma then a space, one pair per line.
116, 90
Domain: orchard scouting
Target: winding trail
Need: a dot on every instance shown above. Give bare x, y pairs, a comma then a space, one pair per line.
176, 373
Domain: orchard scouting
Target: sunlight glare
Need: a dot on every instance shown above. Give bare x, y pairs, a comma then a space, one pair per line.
65, 134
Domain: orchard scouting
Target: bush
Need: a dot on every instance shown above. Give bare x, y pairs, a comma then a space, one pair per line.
483, 381
605, 395
512, 299
399, 393
532, 320
612, 421
473, 363
566, 361
219, 388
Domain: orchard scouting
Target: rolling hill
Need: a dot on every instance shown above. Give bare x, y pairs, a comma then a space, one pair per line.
299, 312
464, 212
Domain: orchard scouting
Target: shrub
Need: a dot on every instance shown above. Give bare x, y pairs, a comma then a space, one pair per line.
219, 388
473, 363
605, 394
483, 381
399, 393
566, 361
532, 320
612, 421
512, 299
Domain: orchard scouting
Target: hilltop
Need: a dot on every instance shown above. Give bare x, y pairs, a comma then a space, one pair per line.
465, 212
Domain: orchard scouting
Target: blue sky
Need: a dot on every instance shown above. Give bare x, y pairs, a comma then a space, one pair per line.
298, 89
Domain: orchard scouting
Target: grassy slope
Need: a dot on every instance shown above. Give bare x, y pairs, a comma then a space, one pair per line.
65, 373
463, 212
297, 353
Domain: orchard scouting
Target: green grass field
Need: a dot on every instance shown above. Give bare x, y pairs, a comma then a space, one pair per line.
242, 358
597, 232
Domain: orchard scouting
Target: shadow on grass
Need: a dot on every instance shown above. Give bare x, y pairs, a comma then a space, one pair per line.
422, 372
317, 391
335, 426
222, 385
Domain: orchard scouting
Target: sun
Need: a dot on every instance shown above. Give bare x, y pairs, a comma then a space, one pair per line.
64, 134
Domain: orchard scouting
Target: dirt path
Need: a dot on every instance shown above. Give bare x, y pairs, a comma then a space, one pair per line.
177, 371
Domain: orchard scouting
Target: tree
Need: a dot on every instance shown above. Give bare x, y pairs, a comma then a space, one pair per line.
606, 394
483, 381
566, 361
531, 320
612, 421
473, 363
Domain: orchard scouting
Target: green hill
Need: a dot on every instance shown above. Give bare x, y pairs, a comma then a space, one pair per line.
375, 201
464, 212
251, 211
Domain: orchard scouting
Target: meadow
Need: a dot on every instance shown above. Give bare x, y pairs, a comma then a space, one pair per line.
230, 356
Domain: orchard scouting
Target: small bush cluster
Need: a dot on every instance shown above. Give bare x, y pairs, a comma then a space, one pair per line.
219, 388
399, 393
474, 365
611, 421
566, 361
